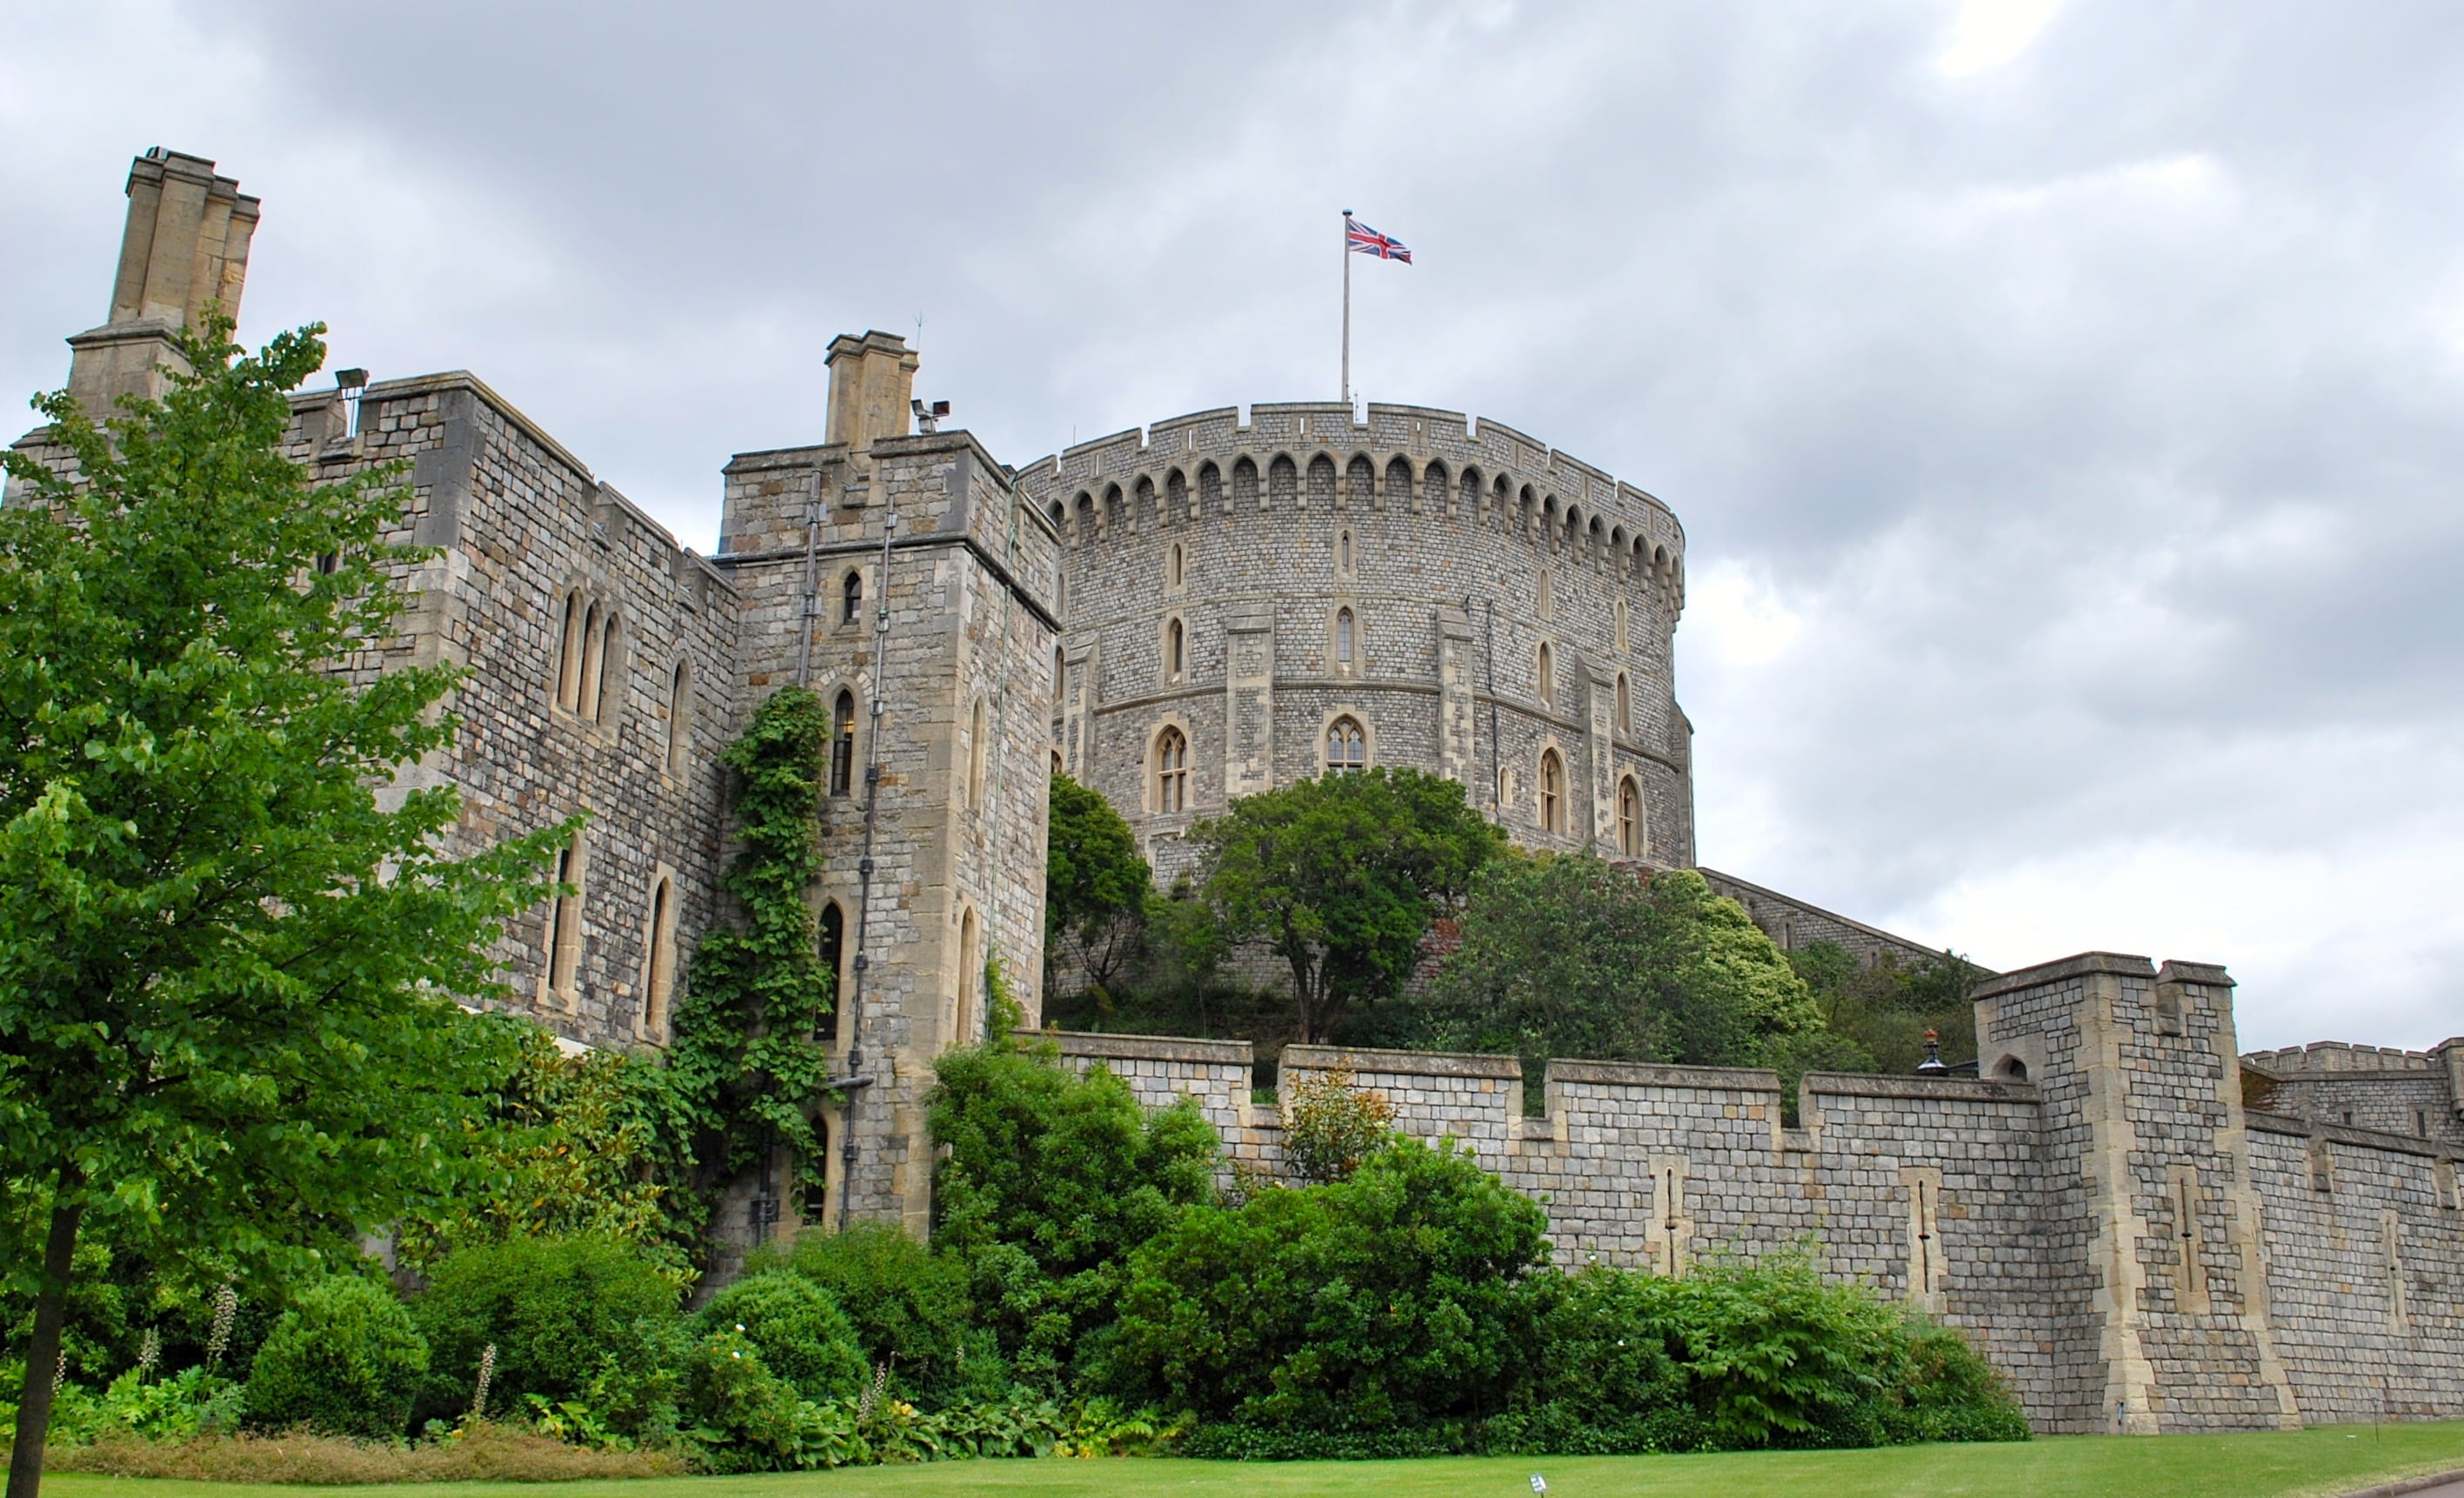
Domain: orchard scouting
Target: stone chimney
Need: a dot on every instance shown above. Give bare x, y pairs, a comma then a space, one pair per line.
185, 245
872, 378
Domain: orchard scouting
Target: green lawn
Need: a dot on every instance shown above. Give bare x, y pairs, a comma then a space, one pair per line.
2324, 1461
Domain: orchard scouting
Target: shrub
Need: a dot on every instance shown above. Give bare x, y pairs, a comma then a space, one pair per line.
1051, 1180
910, 1308
344, 1360
1333, 1126
746, 1418
176, 1408
1947, 1393
1381, 1302
1605, 1373
1237, 1440
1778, 1357
797, 1328
562, 1314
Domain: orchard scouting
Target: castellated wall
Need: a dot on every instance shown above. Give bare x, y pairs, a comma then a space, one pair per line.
2095, 1213
2416, 1093
1457, 552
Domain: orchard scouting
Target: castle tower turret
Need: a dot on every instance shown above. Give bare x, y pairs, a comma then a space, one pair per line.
185, 246
2160, 1294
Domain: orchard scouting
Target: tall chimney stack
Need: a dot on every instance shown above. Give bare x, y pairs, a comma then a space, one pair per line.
186, 245
871, 381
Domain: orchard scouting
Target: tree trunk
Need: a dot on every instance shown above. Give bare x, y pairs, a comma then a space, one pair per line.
43, 1348
1305, 999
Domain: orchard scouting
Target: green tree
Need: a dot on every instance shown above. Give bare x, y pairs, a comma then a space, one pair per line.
1570, 955
746, 1062
1885, 1007
1049, 1180
573, 1146
1342, 875
1096, 888
227, 974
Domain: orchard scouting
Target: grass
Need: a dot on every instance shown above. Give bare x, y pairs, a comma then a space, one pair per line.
2327, 1460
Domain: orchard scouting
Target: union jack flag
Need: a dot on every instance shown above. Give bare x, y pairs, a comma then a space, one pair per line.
1361, 239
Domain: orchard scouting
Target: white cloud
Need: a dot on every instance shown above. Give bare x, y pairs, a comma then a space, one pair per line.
1985, 34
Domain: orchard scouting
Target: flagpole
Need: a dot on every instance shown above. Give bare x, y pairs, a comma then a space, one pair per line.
1347, 307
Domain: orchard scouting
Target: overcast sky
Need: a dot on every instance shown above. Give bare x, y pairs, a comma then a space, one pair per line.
2062, 400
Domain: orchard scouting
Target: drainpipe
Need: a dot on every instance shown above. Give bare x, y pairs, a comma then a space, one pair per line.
855, 1080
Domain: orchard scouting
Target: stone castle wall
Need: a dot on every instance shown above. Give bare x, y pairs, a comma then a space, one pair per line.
2364, 1240
2416, 1093
1792, 923
2108, 1227
1458, 551
521, 526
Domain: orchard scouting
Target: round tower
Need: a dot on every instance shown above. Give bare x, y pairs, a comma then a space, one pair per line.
1247, 602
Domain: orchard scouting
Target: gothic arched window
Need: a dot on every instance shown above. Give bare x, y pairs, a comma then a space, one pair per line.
568, 665
1548, 671
976, 747
1343, 641
842, 743
833, 951
679, 717
1176, 650
1629, 818
1171, 771
1347, 746
659, 981
1553, 792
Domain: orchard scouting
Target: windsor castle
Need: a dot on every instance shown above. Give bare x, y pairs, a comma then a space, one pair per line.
2147, 1229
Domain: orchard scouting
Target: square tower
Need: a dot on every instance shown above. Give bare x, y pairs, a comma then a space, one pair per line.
905, 580
2150, 1215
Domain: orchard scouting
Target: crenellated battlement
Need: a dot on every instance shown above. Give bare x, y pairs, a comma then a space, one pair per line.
1300, 455
2322, 1056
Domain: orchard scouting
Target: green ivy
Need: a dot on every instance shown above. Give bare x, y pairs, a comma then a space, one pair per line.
745, 1061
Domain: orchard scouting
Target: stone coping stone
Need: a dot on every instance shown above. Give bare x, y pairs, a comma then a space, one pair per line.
1644, 1073
2346, 1133
1147, 1047
1866, 1084
2211, 975
1401, 1063
2044, 973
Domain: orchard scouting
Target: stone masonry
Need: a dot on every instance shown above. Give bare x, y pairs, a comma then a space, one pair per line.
2097, 1212
1242, 588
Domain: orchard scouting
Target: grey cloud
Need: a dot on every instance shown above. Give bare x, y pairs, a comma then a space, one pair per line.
2095, 415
